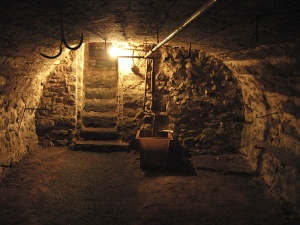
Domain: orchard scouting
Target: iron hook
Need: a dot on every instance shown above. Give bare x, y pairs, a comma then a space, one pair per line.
77, 47
63, 40
63, 37
55, 56
189, 53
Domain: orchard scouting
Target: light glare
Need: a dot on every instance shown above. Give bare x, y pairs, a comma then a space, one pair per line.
114, 51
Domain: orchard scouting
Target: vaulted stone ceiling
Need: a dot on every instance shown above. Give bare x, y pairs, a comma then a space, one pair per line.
33, 26
228, 24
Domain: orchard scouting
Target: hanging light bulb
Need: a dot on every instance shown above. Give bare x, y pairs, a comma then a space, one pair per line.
114, 51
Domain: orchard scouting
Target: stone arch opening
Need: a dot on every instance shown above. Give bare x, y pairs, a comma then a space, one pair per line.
201, 99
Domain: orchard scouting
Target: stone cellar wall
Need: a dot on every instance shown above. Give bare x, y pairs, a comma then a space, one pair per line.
202, 101
81, 59
17, 128
131, 97
214, 104
270, 87
218, 105
197, 97
21, 87
56, 125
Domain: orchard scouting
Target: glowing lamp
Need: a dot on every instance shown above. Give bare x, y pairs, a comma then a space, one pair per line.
114, 51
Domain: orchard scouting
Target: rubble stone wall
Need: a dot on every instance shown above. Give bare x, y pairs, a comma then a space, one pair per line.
130, 97
20, 94
220, 104
197, 97
202, 100
56, 125
269, 77
214, 104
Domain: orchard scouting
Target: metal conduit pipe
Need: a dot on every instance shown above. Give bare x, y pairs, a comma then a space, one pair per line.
198, 13
131, 56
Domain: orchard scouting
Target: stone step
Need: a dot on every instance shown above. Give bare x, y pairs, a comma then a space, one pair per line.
101, 74
98, 51
96, 119
100, 146
101, 93
99, 133
102, 83
100, 105
100, 63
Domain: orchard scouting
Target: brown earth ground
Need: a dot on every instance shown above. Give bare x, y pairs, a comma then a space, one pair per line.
60, 186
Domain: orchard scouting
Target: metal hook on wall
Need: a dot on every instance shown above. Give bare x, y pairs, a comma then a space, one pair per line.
189, 53
63, 40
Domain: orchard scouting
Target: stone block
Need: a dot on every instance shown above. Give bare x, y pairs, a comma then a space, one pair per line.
190, 142
102, 64
5, 159
97, 53
101, 93
3, 81
59, 99
99, 121
112, 83
44, 124
100, 105
173, 109
65, 122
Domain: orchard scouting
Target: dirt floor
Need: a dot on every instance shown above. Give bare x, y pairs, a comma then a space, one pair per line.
64, 187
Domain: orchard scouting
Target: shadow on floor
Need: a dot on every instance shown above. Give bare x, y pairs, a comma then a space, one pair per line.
179, 164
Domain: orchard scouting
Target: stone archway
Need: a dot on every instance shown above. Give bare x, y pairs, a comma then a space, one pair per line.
201, 99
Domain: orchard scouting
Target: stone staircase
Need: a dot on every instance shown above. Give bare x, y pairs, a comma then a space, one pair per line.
100, 112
